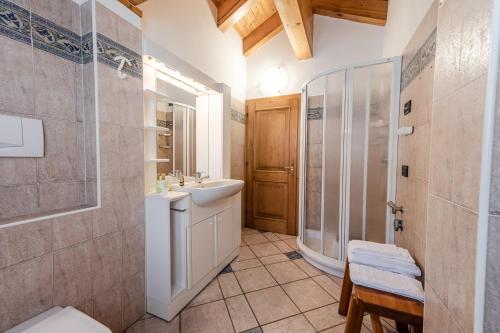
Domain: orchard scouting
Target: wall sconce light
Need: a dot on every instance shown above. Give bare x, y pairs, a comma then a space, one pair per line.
274, 82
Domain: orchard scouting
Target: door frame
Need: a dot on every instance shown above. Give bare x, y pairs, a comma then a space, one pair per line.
293, 220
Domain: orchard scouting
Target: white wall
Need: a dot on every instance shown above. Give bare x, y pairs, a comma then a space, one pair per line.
187, 28
403, 18
336, 42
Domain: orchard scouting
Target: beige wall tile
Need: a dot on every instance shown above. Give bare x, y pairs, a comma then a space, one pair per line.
17, 89
462, 271
72, 275
57, 11
438, 253
17, 171
468, 138
109, 217
110, 151
435, 312
107, 307
59, 195
132, 201
133, 299
106, 262
492, 294
134, 253
25, 241
131, 154
18, 201
71, 229
25, 290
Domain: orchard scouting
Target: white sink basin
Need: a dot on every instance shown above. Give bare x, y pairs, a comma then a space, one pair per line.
211, 190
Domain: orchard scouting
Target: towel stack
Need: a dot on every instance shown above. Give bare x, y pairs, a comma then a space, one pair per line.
384, 267
386, 257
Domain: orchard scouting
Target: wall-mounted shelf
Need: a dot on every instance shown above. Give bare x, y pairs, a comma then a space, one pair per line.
157, 160
157, 128
158, 96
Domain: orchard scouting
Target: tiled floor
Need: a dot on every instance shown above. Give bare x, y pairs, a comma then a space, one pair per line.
269, 288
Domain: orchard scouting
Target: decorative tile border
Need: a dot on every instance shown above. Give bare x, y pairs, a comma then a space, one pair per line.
315, 113
422, 58
15, 22
238, 117
108, 50
29, 28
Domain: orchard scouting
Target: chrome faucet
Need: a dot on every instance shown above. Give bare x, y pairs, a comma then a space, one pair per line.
199, 178
176, 174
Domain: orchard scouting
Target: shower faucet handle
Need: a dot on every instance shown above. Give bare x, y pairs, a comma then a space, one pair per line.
395, 208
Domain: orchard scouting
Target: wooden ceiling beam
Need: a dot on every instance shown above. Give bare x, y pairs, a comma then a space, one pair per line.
132, 7
297, 17
231, 11
263, 33
363, 11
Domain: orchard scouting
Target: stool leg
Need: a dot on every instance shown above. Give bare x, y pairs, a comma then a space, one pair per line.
418, 329
345, 293
376, 324
402, 327
354, 317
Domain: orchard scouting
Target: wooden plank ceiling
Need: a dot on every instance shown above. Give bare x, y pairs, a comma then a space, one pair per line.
257, 21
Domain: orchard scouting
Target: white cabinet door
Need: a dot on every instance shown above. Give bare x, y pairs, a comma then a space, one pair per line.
224, 234
202, 249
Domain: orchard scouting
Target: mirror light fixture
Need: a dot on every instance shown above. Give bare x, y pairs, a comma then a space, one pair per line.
274, 82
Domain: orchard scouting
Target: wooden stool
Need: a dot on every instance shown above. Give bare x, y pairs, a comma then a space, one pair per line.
382, 304
345, 292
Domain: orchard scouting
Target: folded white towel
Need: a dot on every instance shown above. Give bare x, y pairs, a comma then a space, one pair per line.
386, 250
386, 264
386, 281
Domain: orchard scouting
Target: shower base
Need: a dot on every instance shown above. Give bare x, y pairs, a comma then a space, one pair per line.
311, 252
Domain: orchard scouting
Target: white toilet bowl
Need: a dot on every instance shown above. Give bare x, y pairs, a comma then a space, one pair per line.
59, 320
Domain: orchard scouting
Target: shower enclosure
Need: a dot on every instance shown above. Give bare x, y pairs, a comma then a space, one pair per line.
348, 159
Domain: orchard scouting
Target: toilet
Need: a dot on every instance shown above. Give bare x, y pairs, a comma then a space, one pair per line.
60, 320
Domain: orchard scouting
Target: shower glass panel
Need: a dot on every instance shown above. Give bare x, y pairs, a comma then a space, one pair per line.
371, 104
333, 129
314, 173
349, 138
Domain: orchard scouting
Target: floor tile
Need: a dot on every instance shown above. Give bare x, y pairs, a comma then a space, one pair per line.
336, 279
245, 254
254, 239
295, 324
246, 264
207, 318
274, 259
241, 314
325, 317
271, 304
229, 285
329, 285
254, 330
264, 249
292, 243
386, 325
283, 236
341, 329
249, 231
287, 271
271, 236
211, 293
155, 325
254, 279
307, 267
282, 246
307, 294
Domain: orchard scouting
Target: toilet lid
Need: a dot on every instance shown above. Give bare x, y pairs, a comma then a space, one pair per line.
68, 320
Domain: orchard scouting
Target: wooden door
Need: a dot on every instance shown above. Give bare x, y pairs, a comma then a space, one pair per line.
272, 158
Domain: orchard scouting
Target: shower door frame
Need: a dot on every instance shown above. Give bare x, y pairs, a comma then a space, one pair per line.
329, 264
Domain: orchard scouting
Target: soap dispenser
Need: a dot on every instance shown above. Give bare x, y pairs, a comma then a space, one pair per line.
181, 179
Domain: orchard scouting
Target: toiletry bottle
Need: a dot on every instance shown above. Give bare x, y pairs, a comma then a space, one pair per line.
181, 179
158, 185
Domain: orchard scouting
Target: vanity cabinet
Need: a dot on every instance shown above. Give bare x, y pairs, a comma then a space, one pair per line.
186, 247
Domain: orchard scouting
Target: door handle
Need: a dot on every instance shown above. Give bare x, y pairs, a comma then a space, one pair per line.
291, 169
394, 208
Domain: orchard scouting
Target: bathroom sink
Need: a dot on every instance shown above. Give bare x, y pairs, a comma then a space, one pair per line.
212, 190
